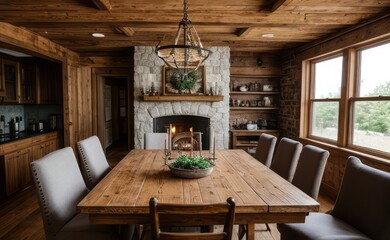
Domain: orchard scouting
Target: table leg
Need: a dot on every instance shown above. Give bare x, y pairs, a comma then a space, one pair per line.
250, 231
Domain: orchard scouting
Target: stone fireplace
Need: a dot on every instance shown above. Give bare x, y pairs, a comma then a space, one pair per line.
148, 70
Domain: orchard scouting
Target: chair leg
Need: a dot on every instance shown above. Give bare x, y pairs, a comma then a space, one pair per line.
268, 229
242, 229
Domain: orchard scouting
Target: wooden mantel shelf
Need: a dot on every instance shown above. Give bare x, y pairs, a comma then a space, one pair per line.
176, 98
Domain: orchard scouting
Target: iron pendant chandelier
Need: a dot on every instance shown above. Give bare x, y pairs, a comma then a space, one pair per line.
187, 53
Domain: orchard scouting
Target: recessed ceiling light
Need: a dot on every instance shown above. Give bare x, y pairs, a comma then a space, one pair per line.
98, 35
268, 35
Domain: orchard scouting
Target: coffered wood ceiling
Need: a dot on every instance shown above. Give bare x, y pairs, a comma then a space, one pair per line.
239, 24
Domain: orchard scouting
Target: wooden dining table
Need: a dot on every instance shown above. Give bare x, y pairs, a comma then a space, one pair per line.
261, 195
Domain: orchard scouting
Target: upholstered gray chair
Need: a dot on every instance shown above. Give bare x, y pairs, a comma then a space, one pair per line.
60, 188
155, 140
94, 163
265, 149
286, 157
361, 211
311, 166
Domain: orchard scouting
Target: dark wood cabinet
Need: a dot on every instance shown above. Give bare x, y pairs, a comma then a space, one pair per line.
10, 78
15, 158
248, 139
49, 83
27, 83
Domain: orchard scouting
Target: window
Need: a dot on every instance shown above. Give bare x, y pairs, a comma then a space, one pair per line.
325, 100
371, 105
357, 115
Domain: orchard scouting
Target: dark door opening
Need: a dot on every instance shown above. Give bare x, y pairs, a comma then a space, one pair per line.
116, 98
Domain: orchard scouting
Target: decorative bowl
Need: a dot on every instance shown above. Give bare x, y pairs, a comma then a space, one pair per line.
190, 173
251, 126
244, 88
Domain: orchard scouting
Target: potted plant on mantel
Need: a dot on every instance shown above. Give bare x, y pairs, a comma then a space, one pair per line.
191, 166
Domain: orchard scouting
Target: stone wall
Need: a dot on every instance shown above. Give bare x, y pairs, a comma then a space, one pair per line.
148, 70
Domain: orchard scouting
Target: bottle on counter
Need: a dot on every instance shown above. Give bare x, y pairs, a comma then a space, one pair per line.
16, 125
12, 126
2, 124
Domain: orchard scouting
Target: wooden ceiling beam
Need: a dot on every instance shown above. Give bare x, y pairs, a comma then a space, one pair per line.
128, 18
244, 32
280, 4
126, 31
102, 4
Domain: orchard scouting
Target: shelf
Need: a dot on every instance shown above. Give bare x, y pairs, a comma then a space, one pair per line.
176, 98
255, 131
253, 93
255, 76
255, 108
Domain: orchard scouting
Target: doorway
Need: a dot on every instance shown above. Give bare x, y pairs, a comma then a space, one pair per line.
116, 114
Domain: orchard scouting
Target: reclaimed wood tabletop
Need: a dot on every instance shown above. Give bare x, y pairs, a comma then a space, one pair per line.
261, 195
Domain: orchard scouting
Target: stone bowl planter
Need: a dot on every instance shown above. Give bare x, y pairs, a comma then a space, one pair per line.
190, 173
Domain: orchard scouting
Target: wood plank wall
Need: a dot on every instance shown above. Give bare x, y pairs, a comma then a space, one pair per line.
292, 74
245, 63
76, 78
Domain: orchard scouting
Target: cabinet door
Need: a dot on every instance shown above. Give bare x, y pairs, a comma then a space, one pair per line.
25, 158
27, 83
39, 151
11, 80
11, 173
17, 170
49, 81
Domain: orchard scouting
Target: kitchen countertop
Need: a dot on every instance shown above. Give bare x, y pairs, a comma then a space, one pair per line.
6, 138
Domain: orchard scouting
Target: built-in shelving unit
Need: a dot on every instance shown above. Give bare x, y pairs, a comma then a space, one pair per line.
254, 98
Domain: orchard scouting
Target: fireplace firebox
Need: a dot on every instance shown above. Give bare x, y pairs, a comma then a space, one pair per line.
183, 123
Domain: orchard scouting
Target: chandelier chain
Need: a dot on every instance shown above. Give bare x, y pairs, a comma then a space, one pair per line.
185, 9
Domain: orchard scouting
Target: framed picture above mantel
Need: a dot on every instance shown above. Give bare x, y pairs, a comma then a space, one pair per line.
173, 83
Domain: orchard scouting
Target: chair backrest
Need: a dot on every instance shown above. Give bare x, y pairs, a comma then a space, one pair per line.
265, 149
227, 210
364, 199
155, 140
286, 158
94, 163
60, 188
310, 168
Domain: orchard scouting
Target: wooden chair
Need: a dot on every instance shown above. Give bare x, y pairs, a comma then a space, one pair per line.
94, 163
311, 166
286, 158
227, 209
361, 210
155, 140
265, 149
60, 187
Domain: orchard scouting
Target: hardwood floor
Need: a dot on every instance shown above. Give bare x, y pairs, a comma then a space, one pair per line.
21, 218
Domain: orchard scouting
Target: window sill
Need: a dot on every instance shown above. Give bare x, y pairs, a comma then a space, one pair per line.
380, 160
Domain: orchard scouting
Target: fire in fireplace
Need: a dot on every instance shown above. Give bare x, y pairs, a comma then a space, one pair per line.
183, 123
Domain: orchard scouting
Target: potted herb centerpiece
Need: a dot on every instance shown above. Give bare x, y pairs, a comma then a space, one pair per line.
191, 167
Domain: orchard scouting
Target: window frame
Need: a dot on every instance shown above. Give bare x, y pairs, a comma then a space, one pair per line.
313, 100
348, 96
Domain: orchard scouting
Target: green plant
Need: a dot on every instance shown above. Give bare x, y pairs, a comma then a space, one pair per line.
182, 81
195, 162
